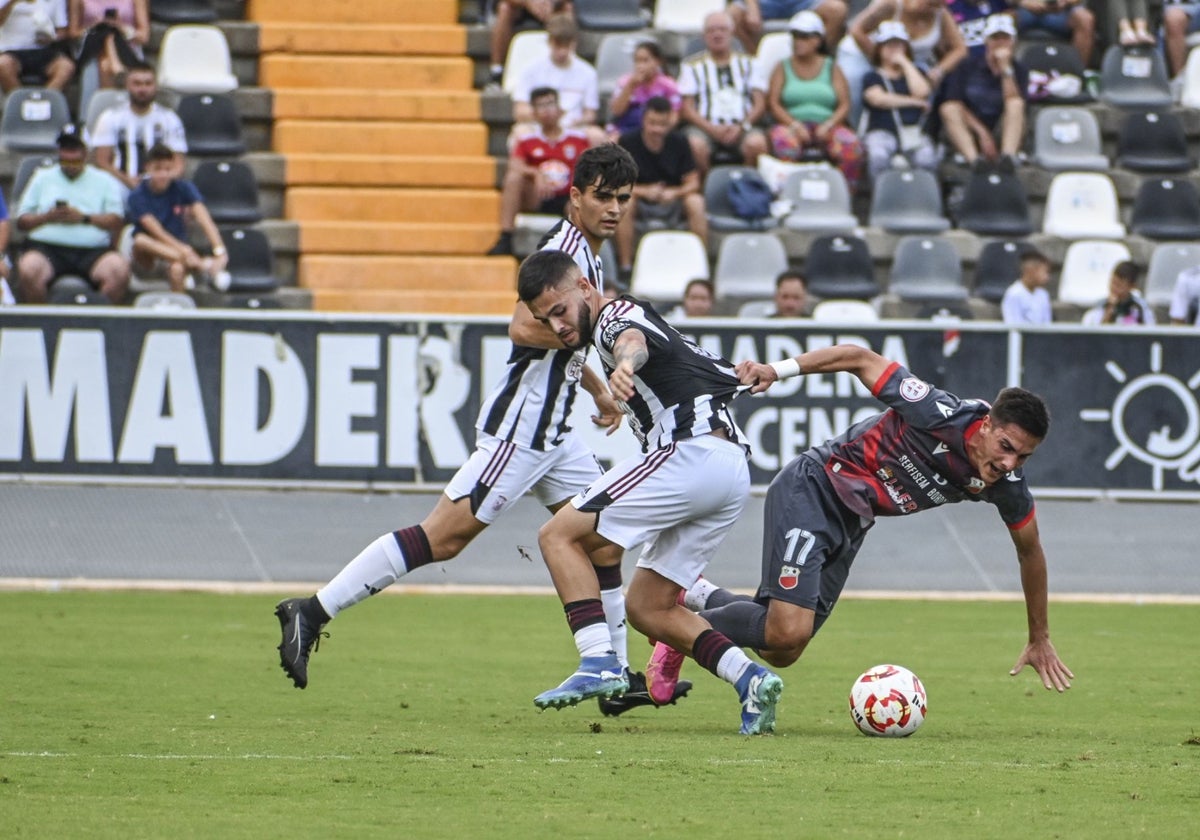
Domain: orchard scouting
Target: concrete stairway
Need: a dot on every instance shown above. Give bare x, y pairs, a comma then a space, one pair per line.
388, 172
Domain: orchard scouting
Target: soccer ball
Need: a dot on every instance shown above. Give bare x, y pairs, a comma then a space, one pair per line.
888, 700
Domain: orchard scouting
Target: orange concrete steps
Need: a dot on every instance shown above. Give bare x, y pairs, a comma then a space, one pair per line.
463, 275
335, 37
317, 169
394, 204
281, 70
375, 104
380, 138
358, 11
417, 303
397, 237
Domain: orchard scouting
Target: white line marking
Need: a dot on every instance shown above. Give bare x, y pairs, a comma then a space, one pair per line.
178, 757
969, 554
263, 574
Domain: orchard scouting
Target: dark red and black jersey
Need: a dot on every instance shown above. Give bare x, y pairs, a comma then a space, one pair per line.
913, 456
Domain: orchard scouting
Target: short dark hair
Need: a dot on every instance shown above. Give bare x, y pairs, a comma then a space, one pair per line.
791, 274
543, 270
651, 47
658, 104
160, 151
562, 28
1022, 408
700, 281
1128, 271
608, 163
1033, 255
538, 92
140, 66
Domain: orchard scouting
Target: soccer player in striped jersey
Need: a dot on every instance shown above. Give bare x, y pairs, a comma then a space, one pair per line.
929, 448
678, 499
523, 444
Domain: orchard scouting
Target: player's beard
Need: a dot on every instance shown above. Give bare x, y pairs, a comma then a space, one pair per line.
583, 326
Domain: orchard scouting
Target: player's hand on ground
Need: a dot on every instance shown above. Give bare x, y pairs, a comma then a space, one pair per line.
609, 414
756, 374
1044, 659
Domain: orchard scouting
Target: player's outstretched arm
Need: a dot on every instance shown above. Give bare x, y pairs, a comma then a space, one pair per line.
1039, 652
608, 411
629, 352
867, 365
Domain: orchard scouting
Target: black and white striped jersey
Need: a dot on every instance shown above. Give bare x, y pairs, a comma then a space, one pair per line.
682, 391
531, 404
722, 93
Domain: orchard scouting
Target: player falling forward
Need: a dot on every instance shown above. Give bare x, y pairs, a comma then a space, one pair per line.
678, 500
928, 449
523, 443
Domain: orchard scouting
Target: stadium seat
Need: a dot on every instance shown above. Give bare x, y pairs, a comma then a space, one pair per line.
25, 169
614, 58
820, 201
1086, 269
524, 49
1190, 97
665, 261
1068, 138
251, 262
71, 289
176, 301
996, 267
1153, 142
1166, 261
926, 268
773, 48
721, 215
684, 15
756, 309
230, 191
748, 263
194, 58
1082, 205
995, 204
1048, 65
836, 311
840, 266
1134, 77
183, 11
100, 101
1166, 208
908, 201
32, 119
211, 124
609, 15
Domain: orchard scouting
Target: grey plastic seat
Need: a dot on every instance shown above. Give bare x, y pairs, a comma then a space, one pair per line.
926, 268
609, 15
820, 201
25, 169
721, 215
211, 124
183, 11
1166, 208
1153, 142
998, 265
748, 264
251, 262
230, 191
1134, 77
100, 101
32, 119
840, 266
1068, 138
614, 58
995, 204
908, 201
1166, 261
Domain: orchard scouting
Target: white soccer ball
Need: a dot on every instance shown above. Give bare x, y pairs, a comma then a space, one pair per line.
889, 701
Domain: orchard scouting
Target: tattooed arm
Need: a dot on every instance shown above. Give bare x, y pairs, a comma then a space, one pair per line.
629, 354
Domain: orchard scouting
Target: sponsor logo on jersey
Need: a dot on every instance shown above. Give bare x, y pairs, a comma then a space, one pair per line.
575, 367
940, 449
913, 389
789, 577
613, 329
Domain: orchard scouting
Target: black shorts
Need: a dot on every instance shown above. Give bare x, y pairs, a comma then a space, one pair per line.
67, 260
36, 61
810, 540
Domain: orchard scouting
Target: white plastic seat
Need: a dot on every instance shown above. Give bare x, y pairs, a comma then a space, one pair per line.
666, 260
684, 15
1082, 205
756, 309
1086, 270
838, 311
1068, 138
176, 301
1167, 260
524, 49
1191, 81
748, 264
194, 58
820, 201
614, 57
773, 48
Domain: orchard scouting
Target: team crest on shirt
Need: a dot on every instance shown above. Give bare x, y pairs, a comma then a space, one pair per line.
789, 577
976, 485
913, 389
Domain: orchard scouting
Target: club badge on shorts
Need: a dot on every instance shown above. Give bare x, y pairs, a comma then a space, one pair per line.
789, 577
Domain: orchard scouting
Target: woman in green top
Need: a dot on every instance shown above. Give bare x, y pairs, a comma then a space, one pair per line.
809, 99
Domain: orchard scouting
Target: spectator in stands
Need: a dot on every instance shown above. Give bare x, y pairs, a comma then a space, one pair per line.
540, 168
1026, 301
573, 78
126, 131
1185, 300
667, 181
647, 80
809, 99
748, 17
6, 295
511, 14
698, 298
113, 33
1180, 19
937, 45
160, 208
720, 104
791, 295
1069, 19
986, 96
33, 42
971, 17
1125, 305
896, 94
1132, 18
70, 214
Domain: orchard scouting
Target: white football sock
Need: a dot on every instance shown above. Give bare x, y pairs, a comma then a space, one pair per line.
614, 613
732, 665
593, 640
376, 567
696, 598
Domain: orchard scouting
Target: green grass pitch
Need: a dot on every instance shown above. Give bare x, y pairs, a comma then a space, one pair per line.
166, 716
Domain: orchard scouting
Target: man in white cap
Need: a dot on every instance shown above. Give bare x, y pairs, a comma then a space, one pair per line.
748, 17
985, 98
